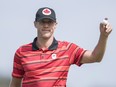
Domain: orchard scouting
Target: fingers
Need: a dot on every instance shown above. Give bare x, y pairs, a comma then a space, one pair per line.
104, 23
105, 27
108, 28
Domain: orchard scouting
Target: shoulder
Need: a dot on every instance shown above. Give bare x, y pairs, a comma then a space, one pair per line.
67, 44
25, 47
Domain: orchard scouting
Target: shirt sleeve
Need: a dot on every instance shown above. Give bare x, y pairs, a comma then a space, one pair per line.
18, 71
76, 53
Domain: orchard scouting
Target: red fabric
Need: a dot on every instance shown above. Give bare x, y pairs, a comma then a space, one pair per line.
39, 69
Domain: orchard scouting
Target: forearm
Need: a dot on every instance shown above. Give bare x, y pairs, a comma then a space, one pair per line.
97, 54
15, 82
14, 85
100, 48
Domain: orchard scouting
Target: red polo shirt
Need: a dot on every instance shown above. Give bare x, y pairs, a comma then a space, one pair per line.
48, 68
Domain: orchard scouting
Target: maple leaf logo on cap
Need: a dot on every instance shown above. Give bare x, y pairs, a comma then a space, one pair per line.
46, 11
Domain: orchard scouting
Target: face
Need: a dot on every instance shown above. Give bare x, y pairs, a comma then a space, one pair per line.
45, 28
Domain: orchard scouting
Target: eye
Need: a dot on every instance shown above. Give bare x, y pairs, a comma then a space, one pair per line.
48, 21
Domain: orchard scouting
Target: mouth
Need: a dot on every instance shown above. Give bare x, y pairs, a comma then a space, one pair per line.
45, 31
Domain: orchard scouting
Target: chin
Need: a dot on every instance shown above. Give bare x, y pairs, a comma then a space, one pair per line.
46, 37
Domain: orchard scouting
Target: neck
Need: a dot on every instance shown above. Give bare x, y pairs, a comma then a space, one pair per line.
44, 43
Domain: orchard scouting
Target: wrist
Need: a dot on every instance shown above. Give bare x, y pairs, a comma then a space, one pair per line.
103, 36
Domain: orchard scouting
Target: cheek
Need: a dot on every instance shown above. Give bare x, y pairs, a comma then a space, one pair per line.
39, 28
54, 27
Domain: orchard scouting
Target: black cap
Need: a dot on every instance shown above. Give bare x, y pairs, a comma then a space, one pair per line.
45, 12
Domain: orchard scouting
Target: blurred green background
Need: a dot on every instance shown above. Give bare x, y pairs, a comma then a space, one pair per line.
4, 81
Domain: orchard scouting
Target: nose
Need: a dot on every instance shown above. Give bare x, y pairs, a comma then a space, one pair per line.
46, 24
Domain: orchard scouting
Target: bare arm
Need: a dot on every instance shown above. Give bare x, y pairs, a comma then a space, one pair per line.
15, 82
97, 54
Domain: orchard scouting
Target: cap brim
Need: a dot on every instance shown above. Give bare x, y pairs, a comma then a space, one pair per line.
39, 19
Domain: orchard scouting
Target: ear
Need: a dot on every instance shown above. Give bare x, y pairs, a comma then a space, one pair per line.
35, 24
56, 22
56, 25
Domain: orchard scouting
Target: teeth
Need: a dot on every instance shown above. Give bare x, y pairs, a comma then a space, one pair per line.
46, 30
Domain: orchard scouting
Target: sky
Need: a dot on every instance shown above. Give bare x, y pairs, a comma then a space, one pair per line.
78, 22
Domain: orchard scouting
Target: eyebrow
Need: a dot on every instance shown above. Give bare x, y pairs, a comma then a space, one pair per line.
49, 20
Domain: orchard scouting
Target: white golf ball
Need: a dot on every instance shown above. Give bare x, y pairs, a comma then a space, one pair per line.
105, 21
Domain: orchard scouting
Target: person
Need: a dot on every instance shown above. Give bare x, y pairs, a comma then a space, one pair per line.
45, 62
